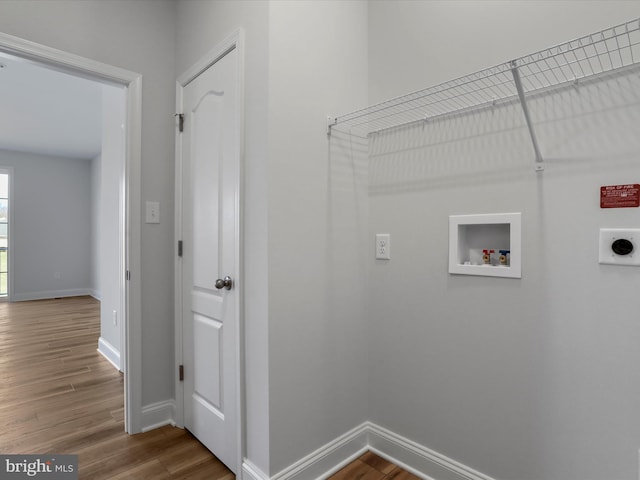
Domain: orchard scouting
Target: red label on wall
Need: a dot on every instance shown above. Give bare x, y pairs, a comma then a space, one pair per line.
620, 196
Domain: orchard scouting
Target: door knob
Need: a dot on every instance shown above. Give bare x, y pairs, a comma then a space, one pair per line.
225, 282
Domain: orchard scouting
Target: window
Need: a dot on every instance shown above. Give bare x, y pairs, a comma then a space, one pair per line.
4, 233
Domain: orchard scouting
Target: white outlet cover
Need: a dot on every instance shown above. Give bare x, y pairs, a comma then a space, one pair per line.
610, 235
383, 246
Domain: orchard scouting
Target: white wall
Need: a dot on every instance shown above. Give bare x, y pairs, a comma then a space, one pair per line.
111, 245
51, 225
317, 225
520, 379
418, 44
138, 36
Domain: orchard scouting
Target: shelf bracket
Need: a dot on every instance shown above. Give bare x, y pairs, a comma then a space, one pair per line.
527, 117
331, 121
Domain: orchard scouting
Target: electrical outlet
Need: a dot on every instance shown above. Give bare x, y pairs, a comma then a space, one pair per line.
383, 246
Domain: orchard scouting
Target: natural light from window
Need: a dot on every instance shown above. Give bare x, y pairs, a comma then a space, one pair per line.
4, 234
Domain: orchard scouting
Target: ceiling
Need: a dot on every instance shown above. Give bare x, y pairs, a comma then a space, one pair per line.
48, 112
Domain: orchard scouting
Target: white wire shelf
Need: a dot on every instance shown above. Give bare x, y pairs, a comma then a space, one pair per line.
605, 51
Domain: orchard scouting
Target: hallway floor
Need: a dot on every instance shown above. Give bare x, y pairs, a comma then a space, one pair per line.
59, 395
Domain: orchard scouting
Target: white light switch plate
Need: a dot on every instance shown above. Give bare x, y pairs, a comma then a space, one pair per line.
153, 212
610, 235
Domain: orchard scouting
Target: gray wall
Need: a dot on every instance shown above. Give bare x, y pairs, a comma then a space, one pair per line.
51, 225
520, 379
317, 227
137, 36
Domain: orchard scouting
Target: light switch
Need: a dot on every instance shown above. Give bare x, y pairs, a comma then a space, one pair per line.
153, 212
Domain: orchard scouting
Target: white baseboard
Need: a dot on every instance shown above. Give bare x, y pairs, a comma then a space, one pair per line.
251, 472
72, 292
109, 352
324, 462
158, 415
329, 458
418, 459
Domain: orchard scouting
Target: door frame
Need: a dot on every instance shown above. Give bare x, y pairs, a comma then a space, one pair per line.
235, 41
130, 290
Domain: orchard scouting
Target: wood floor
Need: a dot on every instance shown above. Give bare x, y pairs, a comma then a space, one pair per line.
372, 467
59, 395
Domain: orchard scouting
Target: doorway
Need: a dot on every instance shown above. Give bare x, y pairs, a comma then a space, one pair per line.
129, 289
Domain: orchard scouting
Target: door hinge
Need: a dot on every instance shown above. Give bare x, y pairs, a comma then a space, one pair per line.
127, 275
181, 373
180, 121
179, 248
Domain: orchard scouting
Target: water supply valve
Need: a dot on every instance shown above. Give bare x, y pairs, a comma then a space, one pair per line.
486, 256
504, 259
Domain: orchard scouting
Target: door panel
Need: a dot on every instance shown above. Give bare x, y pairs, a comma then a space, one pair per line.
206, 120
210, 162
207, 334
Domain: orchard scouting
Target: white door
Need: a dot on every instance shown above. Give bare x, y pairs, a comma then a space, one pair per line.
211, 157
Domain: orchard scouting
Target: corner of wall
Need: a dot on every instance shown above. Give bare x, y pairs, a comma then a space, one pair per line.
407, 454
108, 351
158, 415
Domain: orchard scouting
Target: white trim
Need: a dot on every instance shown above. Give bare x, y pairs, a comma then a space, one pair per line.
402, 464
251, 472
131, 316
64, 61
108, 351
233, 41
177, 269
132, 332
239, 38
158, 415
329, 458
417, 458
46, 294
399, 450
